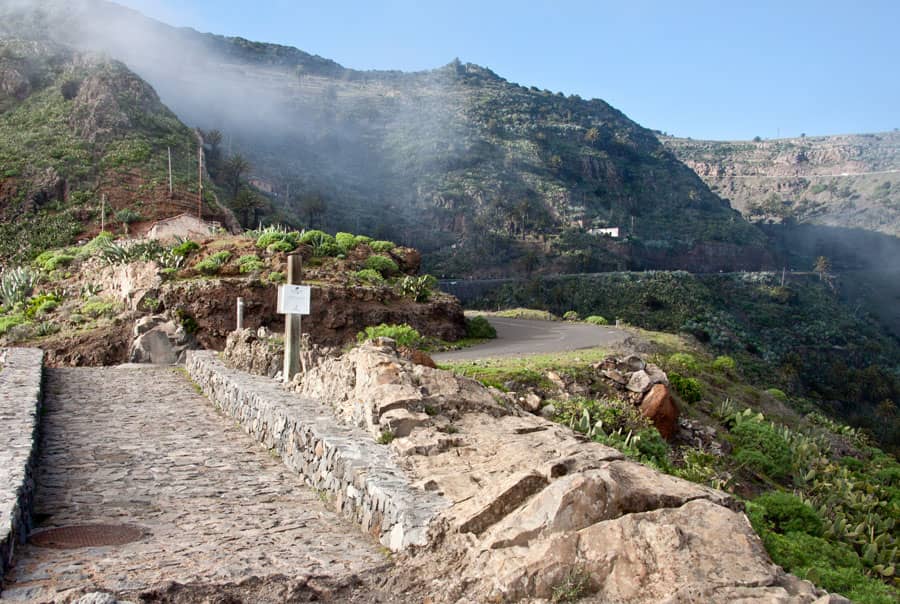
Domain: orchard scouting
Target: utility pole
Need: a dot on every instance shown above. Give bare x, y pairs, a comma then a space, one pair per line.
170, 170
103, 212
200, 181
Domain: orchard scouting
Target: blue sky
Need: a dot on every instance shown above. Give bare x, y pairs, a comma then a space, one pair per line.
721, 70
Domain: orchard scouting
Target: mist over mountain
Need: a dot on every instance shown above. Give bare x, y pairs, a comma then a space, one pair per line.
485, 176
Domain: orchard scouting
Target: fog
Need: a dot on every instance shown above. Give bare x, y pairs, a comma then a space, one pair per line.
305, 123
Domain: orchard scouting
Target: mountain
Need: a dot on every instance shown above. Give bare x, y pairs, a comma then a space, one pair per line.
84, 141
485, 176
849, 181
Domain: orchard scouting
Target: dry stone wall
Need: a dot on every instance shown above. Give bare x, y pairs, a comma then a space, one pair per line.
20, 402
344, 462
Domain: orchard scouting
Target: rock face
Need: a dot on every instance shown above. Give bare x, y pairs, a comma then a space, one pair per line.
338, 312
534, 503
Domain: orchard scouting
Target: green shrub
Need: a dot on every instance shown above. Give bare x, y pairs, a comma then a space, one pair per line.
688, 389
571, 315
271, 235
41, 305
831, 565
596, 320
783, 513
52, 260
276, 277
346, 241
403, 334
185, 247
362, 239
684, 361
94, 245
281, 247
479, 327
777, 394
212, 264
250, 264
10, 321
321, 242
370, 276
760, 447
382, 264
382, 246
724, 363
97, 307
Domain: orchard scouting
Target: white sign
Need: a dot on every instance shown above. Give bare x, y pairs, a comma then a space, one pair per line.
293, 299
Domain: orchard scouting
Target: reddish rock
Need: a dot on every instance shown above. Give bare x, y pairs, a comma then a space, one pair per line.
660, 408
416, 356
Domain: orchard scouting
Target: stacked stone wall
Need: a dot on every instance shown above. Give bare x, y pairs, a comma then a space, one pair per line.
359, 475
20, 403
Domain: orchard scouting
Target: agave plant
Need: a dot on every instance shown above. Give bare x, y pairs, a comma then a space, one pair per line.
16, 285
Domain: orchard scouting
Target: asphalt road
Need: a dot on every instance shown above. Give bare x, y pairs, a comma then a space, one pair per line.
518, 337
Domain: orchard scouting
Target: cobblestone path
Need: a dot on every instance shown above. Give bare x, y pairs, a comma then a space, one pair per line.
139, 446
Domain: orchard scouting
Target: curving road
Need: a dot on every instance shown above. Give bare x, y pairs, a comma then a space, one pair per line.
519, 337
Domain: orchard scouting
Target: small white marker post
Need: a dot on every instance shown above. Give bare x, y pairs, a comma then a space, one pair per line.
240, 314
293, 302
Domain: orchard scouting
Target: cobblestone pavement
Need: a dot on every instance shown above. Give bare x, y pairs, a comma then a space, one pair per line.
139, 446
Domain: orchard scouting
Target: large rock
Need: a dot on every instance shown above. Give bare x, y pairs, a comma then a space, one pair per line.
699, 552
660, 408
160, 341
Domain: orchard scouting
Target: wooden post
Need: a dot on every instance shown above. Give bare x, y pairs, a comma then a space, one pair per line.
200, 182
103, 212
170, 170
240, 314
292, 324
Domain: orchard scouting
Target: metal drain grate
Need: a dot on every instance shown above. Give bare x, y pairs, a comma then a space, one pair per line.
86, 535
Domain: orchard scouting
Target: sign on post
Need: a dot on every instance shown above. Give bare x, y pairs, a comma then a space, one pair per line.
293, 299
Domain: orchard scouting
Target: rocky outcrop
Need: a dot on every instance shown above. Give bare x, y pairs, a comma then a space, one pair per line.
338, 312
160, 340
536, 506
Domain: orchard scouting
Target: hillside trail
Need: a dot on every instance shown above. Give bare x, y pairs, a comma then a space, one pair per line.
138, 446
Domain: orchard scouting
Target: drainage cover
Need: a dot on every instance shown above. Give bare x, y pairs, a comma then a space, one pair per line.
86, 535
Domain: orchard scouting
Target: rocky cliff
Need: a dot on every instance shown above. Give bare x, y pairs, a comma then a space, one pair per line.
841, 181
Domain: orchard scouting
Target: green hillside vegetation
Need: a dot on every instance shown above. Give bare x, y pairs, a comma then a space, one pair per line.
823, 498
74, 127
797, 337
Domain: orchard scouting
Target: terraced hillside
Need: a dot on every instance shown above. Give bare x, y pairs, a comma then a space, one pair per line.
83, 140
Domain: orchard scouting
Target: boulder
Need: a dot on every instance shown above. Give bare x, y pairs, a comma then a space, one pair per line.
165, 343
639, 382
530, 401
666, 555
659, 407
401, 422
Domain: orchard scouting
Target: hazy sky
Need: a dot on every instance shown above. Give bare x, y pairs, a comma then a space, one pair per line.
705, 69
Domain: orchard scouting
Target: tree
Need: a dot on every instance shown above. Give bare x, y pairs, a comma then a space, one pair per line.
312, 206
213, 138
233, 171
248, 203
823, 269
126, 216
592, 135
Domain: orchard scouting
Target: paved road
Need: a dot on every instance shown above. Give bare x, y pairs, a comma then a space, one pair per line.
518, 337
139, 446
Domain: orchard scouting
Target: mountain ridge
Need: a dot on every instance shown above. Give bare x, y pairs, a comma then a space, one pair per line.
485, 176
